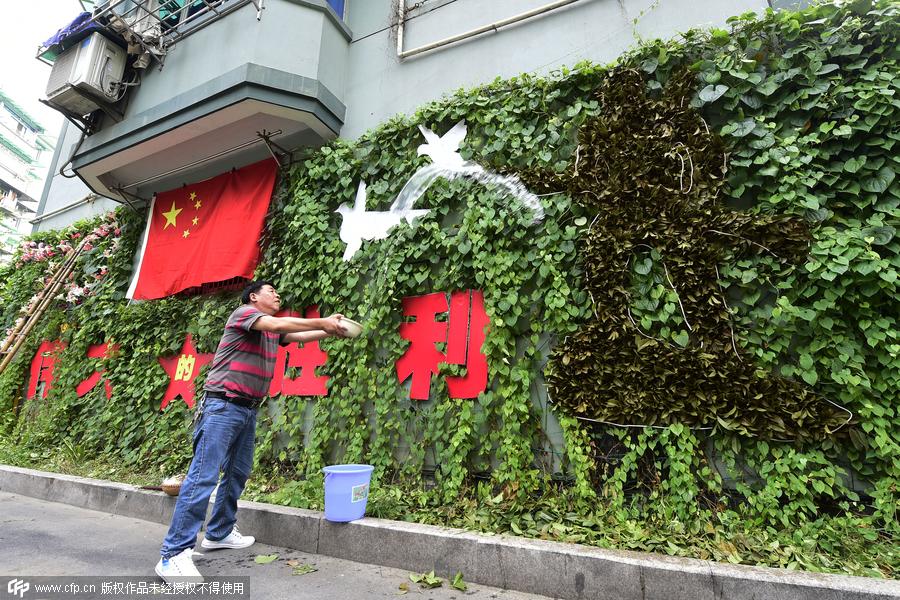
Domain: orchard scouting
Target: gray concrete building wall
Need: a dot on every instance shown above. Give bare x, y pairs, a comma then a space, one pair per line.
288, 37
380, 85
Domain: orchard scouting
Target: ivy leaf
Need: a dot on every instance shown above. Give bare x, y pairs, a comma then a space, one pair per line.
650, 65
711, 93
752, 100
682, 338
880, 181
767, 141
806, 361
742, 128
853, 165
458, 582
858, 438
712, 76
860, 7
810, 377
851, 50
767, 87
642, 267
880, 235
720, 37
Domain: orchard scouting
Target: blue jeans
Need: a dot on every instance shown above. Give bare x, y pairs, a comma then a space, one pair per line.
223, 441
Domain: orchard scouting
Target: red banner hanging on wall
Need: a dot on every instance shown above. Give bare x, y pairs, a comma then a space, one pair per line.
205, 232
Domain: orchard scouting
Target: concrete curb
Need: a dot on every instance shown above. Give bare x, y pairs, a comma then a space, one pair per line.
553, 569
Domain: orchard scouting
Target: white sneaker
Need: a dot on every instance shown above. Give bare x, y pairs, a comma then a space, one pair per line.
179, 568
232, 540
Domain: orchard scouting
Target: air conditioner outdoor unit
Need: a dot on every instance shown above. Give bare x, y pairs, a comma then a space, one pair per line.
83, 76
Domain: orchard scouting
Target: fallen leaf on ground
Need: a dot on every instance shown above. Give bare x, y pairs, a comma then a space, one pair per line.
303, 569
426, 580
458, 582
404, 589
264, 559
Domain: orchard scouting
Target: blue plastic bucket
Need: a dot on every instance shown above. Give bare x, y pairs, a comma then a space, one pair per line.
346, 491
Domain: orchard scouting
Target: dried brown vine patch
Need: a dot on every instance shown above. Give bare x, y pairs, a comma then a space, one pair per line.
650, 173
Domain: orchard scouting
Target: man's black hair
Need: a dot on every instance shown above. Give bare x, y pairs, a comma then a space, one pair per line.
252, 288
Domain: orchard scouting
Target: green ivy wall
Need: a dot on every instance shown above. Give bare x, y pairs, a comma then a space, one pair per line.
710, 301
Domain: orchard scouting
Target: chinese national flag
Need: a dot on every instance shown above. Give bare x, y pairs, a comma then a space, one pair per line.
205, 232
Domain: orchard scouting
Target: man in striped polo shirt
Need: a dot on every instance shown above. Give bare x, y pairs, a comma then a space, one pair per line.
226, 426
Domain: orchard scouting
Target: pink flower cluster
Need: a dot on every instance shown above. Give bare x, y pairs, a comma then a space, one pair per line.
41, 251
37, 252
79, 284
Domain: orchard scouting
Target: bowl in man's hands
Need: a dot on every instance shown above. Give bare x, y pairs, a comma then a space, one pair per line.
172, 485
351, 327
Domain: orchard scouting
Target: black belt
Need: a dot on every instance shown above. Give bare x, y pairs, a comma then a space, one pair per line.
245, 402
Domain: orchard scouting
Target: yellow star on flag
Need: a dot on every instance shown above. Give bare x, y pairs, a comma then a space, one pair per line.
198, 204
195, 221
193, 195
186, 233
171, 215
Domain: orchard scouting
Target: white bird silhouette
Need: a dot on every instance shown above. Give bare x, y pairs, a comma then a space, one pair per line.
444, 150
447, 163
359, 224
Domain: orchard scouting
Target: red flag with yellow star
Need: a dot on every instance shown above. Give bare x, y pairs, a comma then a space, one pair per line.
205, 232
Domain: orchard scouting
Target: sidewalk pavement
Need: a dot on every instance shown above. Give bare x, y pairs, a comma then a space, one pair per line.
40, 538
554, 569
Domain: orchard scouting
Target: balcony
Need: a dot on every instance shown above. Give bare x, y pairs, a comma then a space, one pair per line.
219, 77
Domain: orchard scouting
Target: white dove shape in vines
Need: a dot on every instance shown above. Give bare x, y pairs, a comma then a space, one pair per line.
359, 224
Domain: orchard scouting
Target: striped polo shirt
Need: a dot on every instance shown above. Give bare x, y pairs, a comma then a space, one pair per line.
245, 359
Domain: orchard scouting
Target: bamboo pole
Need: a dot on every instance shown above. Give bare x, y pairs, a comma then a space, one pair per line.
17, 337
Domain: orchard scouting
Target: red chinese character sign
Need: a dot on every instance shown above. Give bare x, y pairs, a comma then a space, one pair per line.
42, 365
182, 370
464, 334
97, 351
307, 358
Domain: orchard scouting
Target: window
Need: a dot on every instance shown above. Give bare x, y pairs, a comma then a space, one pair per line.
337, 6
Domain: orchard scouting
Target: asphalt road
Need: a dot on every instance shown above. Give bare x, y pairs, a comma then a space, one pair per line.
39, 538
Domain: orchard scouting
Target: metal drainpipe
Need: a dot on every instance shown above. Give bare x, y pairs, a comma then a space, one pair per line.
471, 33
401, 19
86, 200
